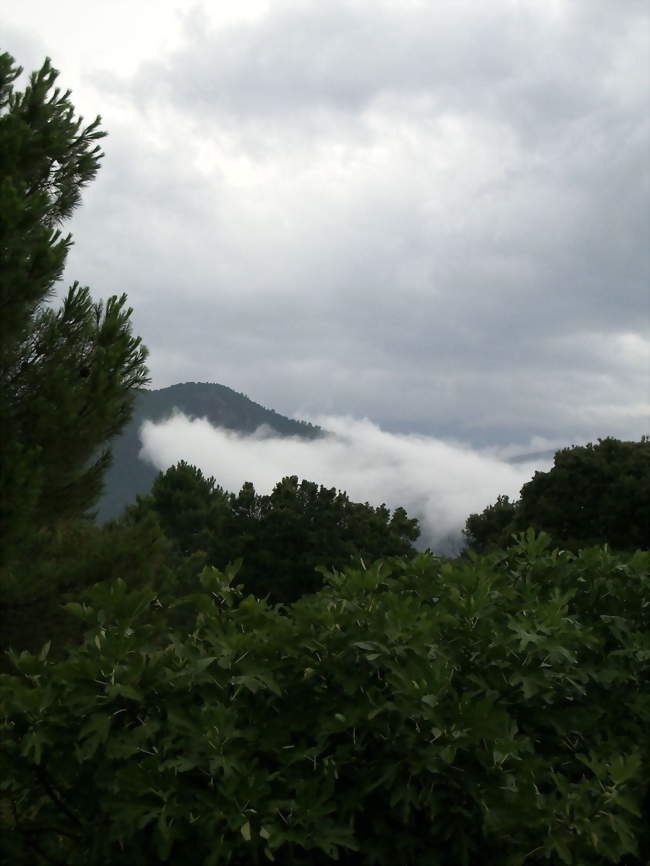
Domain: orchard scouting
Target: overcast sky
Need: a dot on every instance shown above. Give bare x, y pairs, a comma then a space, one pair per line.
430, 214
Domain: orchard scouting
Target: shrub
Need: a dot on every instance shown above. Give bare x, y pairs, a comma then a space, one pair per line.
491, 710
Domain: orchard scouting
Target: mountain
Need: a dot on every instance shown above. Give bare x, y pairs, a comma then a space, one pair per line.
223, 407
534, 457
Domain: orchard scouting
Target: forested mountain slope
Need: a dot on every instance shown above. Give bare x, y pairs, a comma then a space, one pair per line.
129, 475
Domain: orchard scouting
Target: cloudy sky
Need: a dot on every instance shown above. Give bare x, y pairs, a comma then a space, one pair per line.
428, 213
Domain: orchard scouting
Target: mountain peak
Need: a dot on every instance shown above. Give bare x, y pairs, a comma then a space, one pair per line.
222, 406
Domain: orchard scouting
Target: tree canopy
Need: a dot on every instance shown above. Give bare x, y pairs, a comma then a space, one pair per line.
68, 375
594, 494
282, 537
68, 372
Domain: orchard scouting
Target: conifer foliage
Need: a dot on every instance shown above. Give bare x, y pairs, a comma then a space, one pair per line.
67, 375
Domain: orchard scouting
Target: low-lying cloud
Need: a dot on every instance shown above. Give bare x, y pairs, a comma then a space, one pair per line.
439, 482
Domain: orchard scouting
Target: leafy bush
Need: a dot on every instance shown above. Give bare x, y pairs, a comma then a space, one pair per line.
488, 710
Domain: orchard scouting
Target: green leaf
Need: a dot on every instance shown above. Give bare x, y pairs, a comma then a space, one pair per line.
125, 691
33, 744
625, 768
45, 651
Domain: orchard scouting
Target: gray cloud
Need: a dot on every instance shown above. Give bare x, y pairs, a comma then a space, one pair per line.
515, 60
432, 215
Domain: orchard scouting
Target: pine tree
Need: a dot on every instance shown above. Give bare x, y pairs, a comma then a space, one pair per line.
68, 374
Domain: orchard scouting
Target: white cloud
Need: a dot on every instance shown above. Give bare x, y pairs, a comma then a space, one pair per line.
437, 481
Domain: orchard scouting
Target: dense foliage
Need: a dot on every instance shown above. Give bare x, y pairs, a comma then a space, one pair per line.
59, 563
594, 494
491, 710
68, 374
282, 537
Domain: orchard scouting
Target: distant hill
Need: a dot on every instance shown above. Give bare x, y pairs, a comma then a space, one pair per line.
534, 456
223, 407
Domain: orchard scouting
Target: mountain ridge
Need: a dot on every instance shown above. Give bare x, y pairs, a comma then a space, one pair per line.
130, 476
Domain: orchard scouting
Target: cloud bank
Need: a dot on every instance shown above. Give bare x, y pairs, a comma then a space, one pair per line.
438, 482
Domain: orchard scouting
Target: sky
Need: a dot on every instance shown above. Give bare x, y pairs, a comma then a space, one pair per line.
431, 215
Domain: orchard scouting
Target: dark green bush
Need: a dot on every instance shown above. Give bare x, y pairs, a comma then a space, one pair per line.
489, 710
